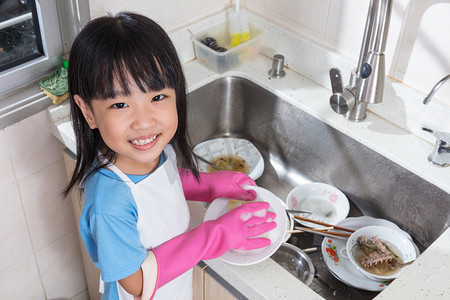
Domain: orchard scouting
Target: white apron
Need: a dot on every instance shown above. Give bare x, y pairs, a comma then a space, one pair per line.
163, 213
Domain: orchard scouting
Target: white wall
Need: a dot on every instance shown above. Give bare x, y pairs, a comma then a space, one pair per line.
39, 251
418, 47
170, 14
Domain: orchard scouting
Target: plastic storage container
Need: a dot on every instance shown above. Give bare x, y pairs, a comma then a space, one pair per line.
221, 62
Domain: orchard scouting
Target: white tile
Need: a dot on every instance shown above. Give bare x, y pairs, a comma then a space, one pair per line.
179, 13
61, 268
425, 61
22, 281
170, 14
345, 27
49, 215
15, 240
31, 145
84, 295
312, 14
101, 7
7, 174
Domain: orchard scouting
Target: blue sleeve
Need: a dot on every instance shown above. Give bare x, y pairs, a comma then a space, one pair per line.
108, 226
120, 252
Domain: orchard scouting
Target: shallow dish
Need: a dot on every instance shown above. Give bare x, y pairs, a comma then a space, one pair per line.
214, 148
242, 258
400, 246
325, 202
335, 255
289, 224
296, 262
289, 227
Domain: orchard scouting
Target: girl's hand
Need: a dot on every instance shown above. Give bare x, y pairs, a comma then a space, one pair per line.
227, 184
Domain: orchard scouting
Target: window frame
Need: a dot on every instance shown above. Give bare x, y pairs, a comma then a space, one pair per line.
59, 22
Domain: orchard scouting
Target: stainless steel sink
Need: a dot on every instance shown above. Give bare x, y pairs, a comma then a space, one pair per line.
298, 148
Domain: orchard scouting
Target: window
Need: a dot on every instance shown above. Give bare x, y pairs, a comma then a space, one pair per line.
20, 38
34, 34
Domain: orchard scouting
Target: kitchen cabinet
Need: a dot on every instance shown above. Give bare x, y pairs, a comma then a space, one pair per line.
208, 285
214, 290
76, 196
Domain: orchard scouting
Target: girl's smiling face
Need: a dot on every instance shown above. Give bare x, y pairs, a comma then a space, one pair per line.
136, 127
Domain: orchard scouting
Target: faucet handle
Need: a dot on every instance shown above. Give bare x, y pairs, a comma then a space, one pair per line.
442, 138
342, 100
440, 156
336, 81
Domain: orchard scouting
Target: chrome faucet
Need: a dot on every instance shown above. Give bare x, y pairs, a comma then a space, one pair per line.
440, 156
427, 99
367, 80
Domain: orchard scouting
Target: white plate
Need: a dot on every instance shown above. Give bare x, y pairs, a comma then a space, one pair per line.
336, 258
289, 224
231, 146
327, 203
243, 258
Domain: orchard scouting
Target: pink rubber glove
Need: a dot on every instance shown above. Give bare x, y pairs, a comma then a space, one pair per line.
213, 238
226, 184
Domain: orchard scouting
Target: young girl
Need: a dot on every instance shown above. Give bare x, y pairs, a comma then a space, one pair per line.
128, 107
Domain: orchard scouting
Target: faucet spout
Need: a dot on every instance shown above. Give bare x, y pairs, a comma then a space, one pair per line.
428, 98
367, 79
441, 153
371, 65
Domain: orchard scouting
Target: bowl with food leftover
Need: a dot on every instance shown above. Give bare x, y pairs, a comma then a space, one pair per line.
221, 206
325, 203
232, 154
380, 252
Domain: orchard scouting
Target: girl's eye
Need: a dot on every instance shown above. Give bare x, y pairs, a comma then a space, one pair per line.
158, 98
119, 105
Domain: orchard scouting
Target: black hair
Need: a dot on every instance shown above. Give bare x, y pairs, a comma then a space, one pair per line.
112, 49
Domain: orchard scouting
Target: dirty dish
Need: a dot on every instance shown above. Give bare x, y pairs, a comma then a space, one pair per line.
335, 256
289, 224
326, 203
243, 258
231, 149
378, 252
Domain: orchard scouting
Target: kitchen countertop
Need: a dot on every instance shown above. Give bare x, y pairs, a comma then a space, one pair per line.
392, 128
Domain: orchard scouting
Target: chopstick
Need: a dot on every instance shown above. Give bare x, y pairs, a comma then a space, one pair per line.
302, 229
323, 230
332, 232
207, 162
324, 224
295, 231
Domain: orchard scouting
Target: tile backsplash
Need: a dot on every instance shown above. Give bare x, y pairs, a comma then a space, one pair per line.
418, 48
40, 256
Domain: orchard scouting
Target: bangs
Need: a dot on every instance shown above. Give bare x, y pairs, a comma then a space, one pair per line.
120, 55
